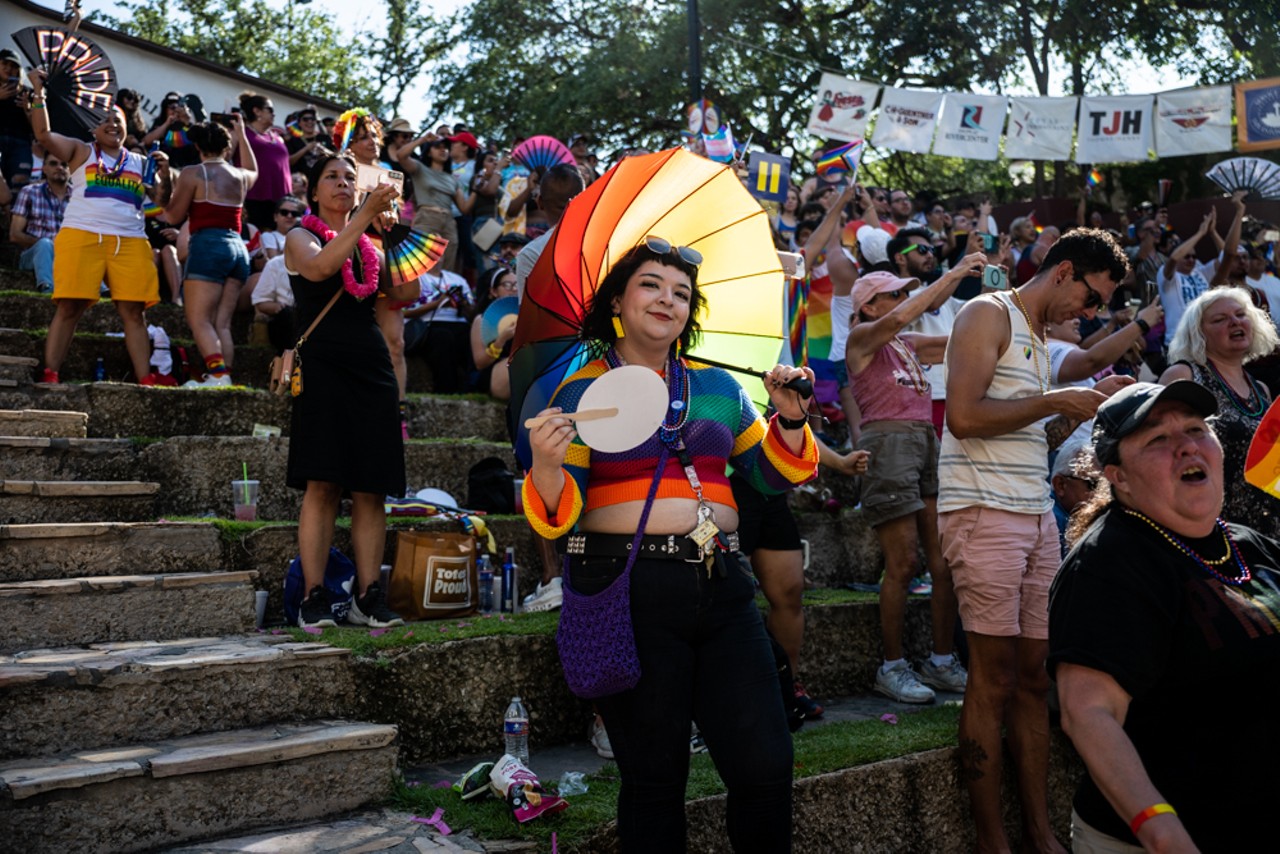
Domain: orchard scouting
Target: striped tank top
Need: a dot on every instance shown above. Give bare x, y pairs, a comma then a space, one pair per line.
1008, 472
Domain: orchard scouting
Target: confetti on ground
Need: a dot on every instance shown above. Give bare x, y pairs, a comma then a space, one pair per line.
436, 821
313, 630
889, 718
377, 633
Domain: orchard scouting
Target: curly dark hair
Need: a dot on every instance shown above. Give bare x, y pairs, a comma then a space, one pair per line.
209, 137
1090, 250
597, 325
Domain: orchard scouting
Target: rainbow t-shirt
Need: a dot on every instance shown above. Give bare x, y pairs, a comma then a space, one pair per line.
107, 196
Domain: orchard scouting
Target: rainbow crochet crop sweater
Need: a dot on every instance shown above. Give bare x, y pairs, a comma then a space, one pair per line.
723, 427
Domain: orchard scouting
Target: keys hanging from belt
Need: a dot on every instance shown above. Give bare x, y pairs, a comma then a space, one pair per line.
706, 531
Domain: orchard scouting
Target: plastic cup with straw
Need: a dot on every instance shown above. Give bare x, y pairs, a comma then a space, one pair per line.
244, 494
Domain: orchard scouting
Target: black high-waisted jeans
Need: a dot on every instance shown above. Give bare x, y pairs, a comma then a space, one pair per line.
704, 656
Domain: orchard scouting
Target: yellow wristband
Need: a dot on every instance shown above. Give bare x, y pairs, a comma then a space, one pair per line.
494, 351
1150, 813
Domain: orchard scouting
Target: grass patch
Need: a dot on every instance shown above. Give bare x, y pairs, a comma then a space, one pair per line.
362, 643
818, 750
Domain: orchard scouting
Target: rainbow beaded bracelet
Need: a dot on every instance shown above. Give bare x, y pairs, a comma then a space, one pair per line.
1150, 813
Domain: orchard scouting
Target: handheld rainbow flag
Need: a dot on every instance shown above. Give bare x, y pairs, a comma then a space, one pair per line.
294, 130
152, 211
798, 320
842, 159
1094, 178
1035, 222
1262, 464
719, 145
411, 254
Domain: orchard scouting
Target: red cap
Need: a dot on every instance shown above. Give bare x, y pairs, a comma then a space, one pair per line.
466, 137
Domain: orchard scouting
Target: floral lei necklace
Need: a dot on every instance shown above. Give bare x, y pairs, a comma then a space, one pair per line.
369, 260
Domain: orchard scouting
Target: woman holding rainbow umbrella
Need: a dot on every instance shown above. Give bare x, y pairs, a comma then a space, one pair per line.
668, 278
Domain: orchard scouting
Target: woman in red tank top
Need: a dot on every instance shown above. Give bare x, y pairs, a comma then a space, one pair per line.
211, 197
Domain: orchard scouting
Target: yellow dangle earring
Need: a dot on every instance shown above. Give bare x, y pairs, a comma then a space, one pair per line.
618, 331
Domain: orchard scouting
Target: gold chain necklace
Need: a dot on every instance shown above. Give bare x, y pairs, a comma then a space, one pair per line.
1042, 384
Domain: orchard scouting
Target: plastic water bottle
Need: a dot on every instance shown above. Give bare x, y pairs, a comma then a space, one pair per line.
486, 585
509, 594
515, 729
99, 370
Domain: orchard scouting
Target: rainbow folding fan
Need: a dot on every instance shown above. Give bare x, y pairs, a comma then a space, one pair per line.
545, 151
411, 254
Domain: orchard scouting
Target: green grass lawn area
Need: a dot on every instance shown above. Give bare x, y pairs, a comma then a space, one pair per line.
818, 750
362, 643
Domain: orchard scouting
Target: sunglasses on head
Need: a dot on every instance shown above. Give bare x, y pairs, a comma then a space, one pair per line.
659, 246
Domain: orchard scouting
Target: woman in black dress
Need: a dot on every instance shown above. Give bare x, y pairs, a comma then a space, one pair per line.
345, 430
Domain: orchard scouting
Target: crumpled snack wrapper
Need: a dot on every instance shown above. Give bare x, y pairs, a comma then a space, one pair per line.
523, 791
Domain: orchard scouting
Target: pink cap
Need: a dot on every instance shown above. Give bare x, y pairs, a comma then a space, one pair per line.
880, 282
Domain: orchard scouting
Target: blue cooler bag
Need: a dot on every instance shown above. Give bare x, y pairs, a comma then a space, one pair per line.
339, 578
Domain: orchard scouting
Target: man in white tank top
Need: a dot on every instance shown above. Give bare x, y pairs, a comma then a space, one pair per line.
995, 514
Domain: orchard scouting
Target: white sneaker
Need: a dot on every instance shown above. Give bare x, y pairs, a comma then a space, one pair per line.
211, 381
949, 677
546, 597
900, 683
599, 739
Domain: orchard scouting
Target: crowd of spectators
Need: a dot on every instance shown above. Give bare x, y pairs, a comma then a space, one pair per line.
954, 341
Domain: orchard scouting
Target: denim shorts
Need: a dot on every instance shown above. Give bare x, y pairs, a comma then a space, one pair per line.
215, 255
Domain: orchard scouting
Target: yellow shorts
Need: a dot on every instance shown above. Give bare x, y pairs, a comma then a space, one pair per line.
83, 260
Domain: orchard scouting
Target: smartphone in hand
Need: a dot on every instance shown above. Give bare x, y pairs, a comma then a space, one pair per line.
369, 178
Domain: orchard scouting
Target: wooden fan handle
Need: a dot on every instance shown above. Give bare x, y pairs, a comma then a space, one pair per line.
584, 415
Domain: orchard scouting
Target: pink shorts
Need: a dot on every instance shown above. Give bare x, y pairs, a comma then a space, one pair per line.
1002, 564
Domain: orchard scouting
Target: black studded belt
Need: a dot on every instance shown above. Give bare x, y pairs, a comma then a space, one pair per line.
652, 546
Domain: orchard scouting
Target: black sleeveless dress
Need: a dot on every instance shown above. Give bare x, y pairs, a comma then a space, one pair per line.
345, 426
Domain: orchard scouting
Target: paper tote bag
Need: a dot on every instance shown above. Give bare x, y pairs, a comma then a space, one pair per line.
434, 576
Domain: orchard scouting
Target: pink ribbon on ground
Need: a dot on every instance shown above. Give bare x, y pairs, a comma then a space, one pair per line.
436, 821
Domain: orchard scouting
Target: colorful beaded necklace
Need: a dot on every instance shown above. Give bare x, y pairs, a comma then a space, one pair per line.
1236, 401
1207, 565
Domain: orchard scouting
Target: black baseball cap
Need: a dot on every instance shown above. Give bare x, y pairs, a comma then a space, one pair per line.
1126, 410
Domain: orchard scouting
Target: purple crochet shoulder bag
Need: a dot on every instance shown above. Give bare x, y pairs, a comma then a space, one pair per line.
596, 640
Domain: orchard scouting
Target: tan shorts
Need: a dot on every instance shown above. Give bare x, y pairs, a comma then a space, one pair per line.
1002, 564
83, 260
902, 471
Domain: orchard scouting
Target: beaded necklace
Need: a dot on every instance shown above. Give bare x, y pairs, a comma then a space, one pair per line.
1235, 399
677, 380
1207, 565
110, 171
1042, 384
915, 371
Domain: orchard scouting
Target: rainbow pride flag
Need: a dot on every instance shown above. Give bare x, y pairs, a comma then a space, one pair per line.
797, 309
1094, 178
840, 160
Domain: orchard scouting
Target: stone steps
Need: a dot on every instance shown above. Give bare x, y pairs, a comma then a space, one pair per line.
125, 409
73, 549
61, 612
76, 501
64, 699
165, 793
35, 311
44, 423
